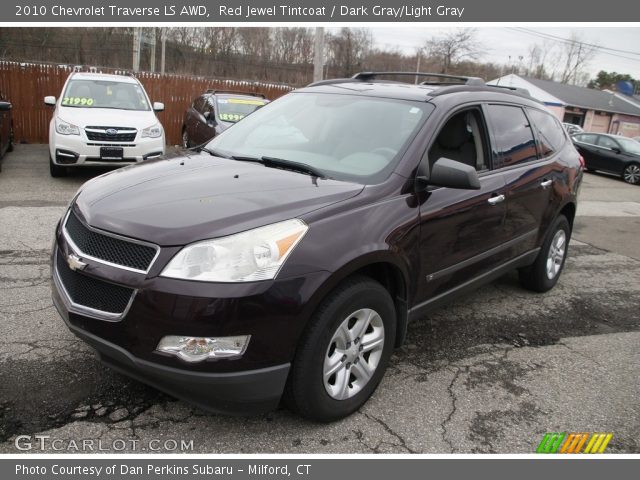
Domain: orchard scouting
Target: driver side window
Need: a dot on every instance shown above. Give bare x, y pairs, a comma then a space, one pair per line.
463, 139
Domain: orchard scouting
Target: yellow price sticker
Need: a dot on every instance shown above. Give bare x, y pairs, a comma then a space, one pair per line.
245, 101
82, 101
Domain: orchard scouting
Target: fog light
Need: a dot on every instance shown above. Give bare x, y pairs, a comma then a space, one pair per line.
197, 349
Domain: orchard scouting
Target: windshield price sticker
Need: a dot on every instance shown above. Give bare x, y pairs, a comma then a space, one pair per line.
77, 101
231, 117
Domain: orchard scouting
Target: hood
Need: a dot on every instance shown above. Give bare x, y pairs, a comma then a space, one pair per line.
179, 200
107, 117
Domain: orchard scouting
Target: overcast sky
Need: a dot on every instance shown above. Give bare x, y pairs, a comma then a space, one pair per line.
501, 42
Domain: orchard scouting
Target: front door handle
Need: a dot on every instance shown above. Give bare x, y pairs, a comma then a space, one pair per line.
496, 200
546, 183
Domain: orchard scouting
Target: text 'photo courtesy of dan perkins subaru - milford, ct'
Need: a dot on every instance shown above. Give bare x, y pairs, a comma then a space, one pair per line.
319, 239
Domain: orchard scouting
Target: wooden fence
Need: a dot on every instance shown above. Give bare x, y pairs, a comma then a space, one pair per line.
26, 84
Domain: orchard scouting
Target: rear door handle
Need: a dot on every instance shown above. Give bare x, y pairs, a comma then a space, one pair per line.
546, 183
496, 200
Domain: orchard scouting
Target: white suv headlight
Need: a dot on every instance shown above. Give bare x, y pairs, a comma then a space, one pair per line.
66, 128
154, 131
249, 256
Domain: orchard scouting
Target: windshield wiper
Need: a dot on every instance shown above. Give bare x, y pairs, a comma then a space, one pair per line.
282, 163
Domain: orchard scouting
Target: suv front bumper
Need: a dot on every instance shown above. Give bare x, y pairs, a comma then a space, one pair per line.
77, 150
246, 392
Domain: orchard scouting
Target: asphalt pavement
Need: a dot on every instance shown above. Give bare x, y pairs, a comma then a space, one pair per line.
492, 372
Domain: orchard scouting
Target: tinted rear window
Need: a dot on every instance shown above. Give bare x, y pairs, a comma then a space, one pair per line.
514, 142
550, 134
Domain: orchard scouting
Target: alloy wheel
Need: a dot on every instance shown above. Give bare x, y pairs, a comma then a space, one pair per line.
632, 174
353, 354
556, 254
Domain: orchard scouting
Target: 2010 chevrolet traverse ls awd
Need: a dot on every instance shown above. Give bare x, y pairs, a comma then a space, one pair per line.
286, 258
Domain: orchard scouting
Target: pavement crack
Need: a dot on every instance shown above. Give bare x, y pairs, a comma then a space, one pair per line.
454, 408
390, 431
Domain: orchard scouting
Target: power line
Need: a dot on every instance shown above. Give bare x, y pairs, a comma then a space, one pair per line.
548, 36
595, 45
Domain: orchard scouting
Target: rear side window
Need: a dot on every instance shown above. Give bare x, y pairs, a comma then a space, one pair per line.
586, 138
550, 133
607, 142
514, 141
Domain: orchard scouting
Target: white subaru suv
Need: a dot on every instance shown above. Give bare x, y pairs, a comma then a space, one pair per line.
103, 120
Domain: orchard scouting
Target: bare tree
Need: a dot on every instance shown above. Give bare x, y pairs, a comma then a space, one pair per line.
576, 57
453, 47
348, 49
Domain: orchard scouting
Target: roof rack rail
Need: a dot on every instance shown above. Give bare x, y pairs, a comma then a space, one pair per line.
366, 76
521, 90
235, 92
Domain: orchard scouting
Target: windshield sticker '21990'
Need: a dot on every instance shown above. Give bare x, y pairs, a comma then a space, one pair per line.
77, 101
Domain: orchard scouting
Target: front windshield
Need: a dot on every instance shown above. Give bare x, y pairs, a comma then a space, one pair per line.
104, 94
629, 145
233, 110
346, 137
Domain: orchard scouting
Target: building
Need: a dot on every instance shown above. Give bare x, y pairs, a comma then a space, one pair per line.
598, 111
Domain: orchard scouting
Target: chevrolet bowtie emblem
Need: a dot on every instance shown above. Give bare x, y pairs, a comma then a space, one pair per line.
75, 263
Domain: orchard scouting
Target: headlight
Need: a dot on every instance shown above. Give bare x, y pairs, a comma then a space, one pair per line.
154, 131
249, 256
66, 128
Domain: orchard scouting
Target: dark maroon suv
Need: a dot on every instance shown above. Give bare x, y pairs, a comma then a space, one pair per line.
285, 259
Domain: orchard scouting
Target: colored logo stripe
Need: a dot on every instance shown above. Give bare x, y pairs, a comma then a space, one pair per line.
562, 442
550, 442
598, 443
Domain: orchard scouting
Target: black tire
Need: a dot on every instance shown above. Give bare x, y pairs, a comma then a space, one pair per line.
56, 170
535, 277
10, 147
631, 174
306, 392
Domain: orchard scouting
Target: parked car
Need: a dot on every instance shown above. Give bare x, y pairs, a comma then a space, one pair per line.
286, 258
611, 154
6, 129
214, 111
572, 128
103, 120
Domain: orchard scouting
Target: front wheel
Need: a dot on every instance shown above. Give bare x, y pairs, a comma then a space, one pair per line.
545, 271
344, 353
631, 174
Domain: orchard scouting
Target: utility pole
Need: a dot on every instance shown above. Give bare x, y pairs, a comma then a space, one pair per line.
136, 49
152, 41
318, 55
419, 55
163, 38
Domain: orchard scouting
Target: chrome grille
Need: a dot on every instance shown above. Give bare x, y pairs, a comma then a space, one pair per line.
111, 134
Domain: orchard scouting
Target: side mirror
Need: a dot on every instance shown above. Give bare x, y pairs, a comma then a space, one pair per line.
50, 100
158, 107
5, 106
449, 173
616, 150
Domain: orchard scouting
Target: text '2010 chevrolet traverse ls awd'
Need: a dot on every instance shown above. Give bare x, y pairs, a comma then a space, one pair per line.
285, 259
